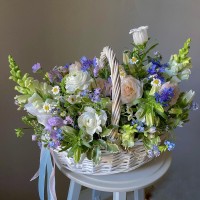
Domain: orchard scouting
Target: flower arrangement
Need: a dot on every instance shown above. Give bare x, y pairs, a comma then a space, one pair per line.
71, 109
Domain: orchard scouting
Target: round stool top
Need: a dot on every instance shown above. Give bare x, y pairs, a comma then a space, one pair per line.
124, 182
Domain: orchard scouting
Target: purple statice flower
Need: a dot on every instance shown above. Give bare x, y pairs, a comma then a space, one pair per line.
95, 96
96, 71
164, 96
55, 121
95, 62
150, 153
86, 63
170, 145
36, 67
68, 120
55, 76
97, 91
84, 93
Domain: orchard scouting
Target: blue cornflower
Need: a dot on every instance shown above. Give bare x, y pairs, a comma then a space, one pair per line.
170, 145
165, 96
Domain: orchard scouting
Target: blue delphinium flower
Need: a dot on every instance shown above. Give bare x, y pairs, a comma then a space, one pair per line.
140, 125
36, 67
86, 63
165, 96
170, 145
156, 67
59, 135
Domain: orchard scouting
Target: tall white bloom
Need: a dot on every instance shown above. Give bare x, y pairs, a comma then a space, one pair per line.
140, 35
77, 80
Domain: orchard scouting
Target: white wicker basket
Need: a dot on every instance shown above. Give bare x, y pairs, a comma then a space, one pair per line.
110, 163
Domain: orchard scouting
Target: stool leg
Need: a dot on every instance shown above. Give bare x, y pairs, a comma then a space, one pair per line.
74, 191
139, 194
96, 195
119, 195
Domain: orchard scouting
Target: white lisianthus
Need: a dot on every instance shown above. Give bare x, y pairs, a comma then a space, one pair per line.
140, 35
91, 122
77, 80
75, 67
35, 107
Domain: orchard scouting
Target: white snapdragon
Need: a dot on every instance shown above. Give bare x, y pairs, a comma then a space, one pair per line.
140, 35
77, 80
91, 122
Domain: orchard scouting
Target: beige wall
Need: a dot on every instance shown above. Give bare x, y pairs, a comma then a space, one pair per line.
54, 32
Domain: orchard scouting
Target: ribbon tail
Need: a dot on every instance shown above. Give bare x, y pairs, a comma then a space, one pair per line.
35, 176
52, 181
42, 172
49, 172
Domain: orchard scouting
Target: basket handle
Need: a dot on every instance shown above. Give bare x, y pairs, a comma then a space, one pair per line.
108, 54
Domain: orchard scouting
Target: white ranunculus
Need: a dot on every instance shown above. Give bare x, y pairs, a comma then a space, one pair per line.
91, 122
75, 67
77, 80
140, 35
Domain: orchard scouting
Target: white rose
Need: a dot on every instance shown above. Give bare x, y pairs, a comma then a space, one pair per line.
91, 122
75, 67
77, 80
131, 89
140, 35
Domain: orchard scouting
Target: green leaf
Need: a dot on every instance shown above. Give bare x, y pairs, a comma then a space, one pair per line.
96, 154
102, 143
19, 132
106, 132
77, 154
176, 111
113, 148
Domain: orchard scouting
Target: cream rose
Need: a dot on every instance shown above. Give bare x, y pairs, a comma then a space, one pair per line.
91, 122
176, 91
140, 35
131, 89
77, 80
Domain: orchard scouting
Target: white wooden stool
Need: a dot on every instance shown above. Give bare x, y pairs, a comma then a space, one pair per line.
121, 183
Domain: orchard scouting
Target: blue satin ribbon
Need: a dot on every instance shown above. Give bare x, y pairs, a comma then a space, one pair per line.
45, 165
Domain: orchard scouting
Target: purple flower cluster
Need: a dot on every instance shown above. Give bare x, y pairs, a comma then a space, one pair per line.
86, 63
68, 120
170, 145
36, 67
95, 96
55, 76
153, 152
164, 96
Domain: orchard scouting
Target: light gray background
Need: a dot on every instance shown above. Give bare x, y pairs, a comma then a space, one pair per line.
54, 32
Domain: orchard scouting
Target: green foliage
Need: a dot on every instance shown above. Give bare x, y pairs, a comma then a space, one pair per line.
19, 132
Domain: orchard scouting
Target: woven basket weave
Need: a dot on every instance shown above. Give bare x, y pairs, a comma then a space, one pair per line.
110, 163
